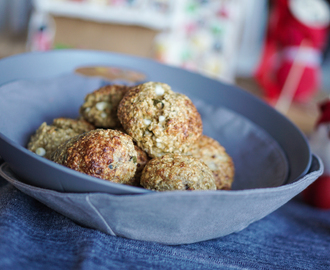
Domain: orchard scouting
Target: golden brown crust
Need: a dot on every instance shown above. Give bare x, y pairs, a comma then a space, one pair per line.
142, 159
48, 137
159, 120
107, 154
177, 172
216, 158
100, 106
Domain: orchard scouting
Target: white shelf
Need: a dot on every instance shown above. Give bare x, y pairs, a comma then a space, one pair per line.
105, 14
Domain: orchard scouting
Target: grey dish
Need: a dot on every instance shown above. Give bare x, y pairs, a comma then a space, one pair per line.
272, 157
24, 110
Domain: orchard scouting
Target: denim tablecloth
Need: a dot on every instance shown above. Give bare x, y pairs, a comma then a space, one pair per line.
32, 236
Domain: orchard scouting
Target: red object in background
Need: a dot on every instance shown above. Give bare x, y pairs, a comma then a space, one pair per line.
285, 34
325, 113
318, 193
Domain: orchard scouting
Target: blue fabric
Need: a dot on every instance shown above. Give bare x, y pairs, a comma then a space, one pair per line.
32, 236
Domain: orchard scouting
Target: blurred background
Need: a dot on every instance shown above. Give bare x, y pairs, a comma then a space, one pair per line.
277, 50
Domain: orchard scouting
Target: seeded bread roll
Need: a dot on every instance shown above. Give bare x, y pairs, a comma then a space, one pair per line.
100, 106
216, 158
48, 137
177, 172
106, 154
159, 120
142, 159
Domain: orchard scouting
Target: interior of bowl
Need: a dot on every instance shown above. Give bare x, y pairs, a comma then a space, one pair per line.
259, 160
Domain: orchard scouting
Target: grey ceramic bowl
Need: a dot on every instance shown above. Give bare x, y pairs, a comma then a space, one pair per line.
23, 111
271, 156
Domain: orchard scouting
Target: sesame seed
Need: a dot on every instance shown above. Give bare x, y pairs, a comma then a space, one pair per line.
101, 105
147, 121
40, 151
161, 118
159, 90
222, 157
213, 166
